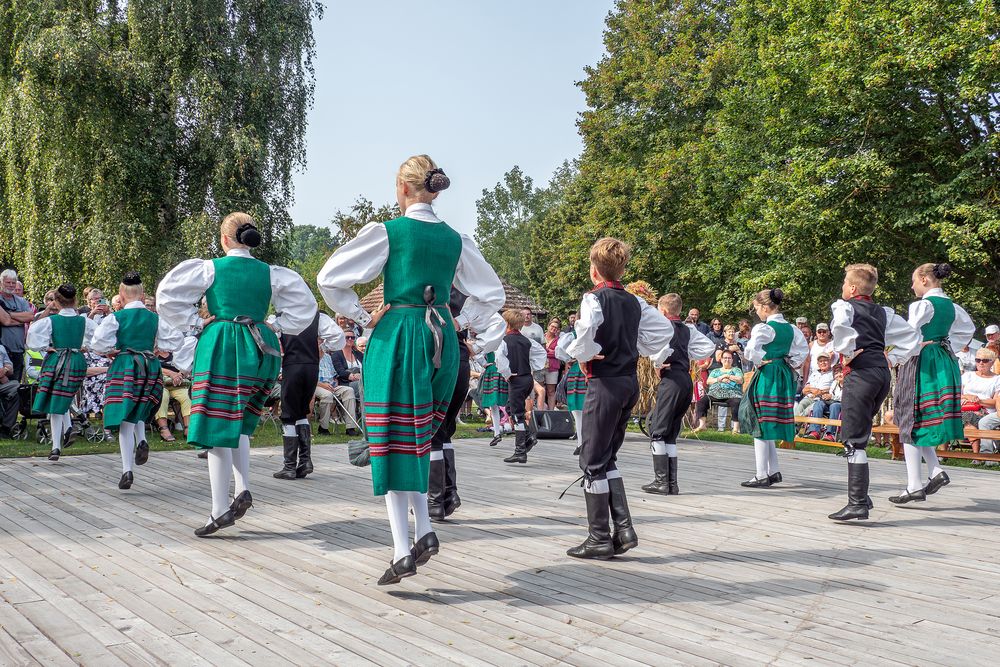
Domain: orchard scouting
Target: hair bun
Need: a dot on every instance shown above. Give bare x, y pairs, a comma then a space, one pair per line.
248, 235
777, 296
132, 278
436, 180
67, 290
942, 271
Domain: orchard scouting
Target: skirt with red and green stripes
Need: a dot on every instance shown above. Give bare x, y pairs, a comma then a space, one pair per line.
133, 389
927, 401
492, 388
766, 411
230, 383
406, 397
576, 388
61, 376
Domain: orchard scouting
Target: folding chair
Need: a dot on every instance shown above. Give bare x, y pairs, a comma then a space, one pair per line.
267, 415
350, 420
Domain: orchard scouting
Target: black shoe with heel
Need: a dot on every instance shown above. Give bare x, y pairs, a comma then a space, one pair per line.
857, 494
241, 504
224, 521
660, 484
424, 548
402, 568
126, 481
142, 453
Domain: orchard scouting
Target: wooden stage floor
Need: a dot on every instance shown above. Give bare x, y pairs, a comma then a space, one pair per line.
723, 575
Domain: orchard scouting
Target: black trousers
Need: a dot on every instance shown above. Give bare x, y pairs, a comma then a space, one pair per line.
298, 386
10, 401
17, 362
519, 389
864, 391
448, 426
703, 404
606, 411
673, 396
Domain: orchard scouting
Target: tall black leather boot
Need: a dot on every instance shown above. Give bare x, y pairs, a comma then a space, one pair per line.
290, 447
451, 500
304, 434
598, 544
672, 476
625, 537
520, 454
857, 494
660, 476
532, 438
435, 490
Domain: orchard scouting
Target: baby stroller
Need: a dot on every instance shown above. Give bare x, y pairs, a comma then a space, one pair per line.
26, 398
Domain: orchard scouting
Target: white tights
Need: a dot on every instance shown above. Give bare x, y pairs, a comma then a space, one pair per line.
766, 454
224, 463
58, 425
126, 445
578, 420
495, 416
912, 454
397, 503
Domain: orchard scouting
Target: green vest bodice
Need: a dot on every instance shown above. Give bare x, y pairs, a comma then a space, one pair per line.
242, 287
420, 254
136, 329
944, 316
782, 343
68, 332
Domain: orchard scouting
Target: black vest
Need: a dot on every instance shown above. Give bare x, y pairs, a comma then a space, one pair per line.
618, 334
518, 353
869, 322
456, 303
303, 348
679, 359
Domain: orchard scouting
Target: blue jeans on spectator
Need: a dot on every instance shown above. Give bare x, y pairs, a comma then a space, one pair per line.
834, 414
820, 408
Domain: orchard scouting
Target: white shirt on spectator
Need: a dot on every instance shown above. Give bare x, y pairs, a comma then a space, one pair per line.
816, 348
967, 359
820, 380
982, 387
534, 332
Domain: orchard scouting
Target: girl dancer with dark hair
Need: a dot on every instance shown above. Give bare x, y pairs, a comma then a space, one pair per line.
237, 359
410, 364
776, 348
927, 401
63, 336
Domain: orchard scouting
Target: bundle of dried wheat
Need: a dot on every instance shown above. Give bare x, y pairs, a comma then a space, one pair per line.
649, 377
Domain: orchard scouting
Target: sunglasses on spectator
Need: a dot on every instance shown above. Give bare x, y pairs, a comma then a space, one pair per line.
982, 360
349, 337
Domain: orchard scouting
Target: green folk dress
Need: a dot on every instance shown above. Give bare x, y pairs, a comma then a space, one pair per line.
134, 383
64, 370
576, 387
937, 406
406, 397
232, 376
492, 385
766, 411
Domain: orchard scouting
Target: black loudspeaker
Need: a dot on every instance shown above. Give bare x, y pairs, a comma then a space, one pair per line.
553, 424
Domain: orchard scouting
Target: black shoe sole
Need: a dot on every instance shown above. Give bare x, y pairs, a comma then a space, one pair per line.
141, 455
656, 491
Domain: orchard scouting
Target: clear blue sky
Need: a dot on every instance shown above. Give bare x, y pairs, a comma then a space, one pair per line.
478, 85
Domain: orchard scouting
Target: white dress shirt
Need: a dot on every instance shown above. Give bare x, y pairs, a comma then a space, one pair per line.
904, 339
362, 259
653, 337
105, 338
762, 334
40, 332
962, 329
179, 294
537, 358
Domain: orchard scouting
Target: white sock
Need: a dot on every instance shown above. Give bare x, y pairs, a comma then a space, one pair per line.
140, 432
933, 464
57, 429
772, 458
495, 416
126, 443
422, 519
396, 505
220, 465
241, 465
859, 456
912, 455
519, 426
448, 445
658, 448
614, 474
437, 455
300, 422
288, 430
578, 420
761, 452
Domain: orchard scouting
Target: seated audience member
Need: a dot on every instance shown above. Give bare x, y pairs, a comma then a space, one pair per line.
9, 399
817, 390
176, 387
823, 344
347, 363
328, 387
833, 405
725, 385
730, 343
979, 394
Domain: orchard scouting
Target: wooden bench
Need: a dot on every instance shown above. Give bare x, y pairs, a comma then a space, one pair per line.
892, 431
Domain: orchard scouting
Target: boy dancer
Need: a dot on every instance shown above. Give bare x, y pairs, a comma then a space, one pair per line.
862, 331
517, 358
614, 328
673, 395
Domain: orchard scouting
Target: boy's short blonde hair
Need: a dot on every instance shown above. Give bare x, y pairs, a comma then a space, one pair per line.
610, 256
862, 276
671, 303
514, 317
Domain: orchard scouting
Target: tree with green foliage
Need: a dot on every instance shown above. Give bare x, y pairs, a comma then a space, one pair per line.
739, 144
128, 129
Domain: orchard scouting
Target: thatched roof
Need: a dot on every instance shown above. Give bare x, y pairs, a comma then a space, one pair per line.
515, 299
